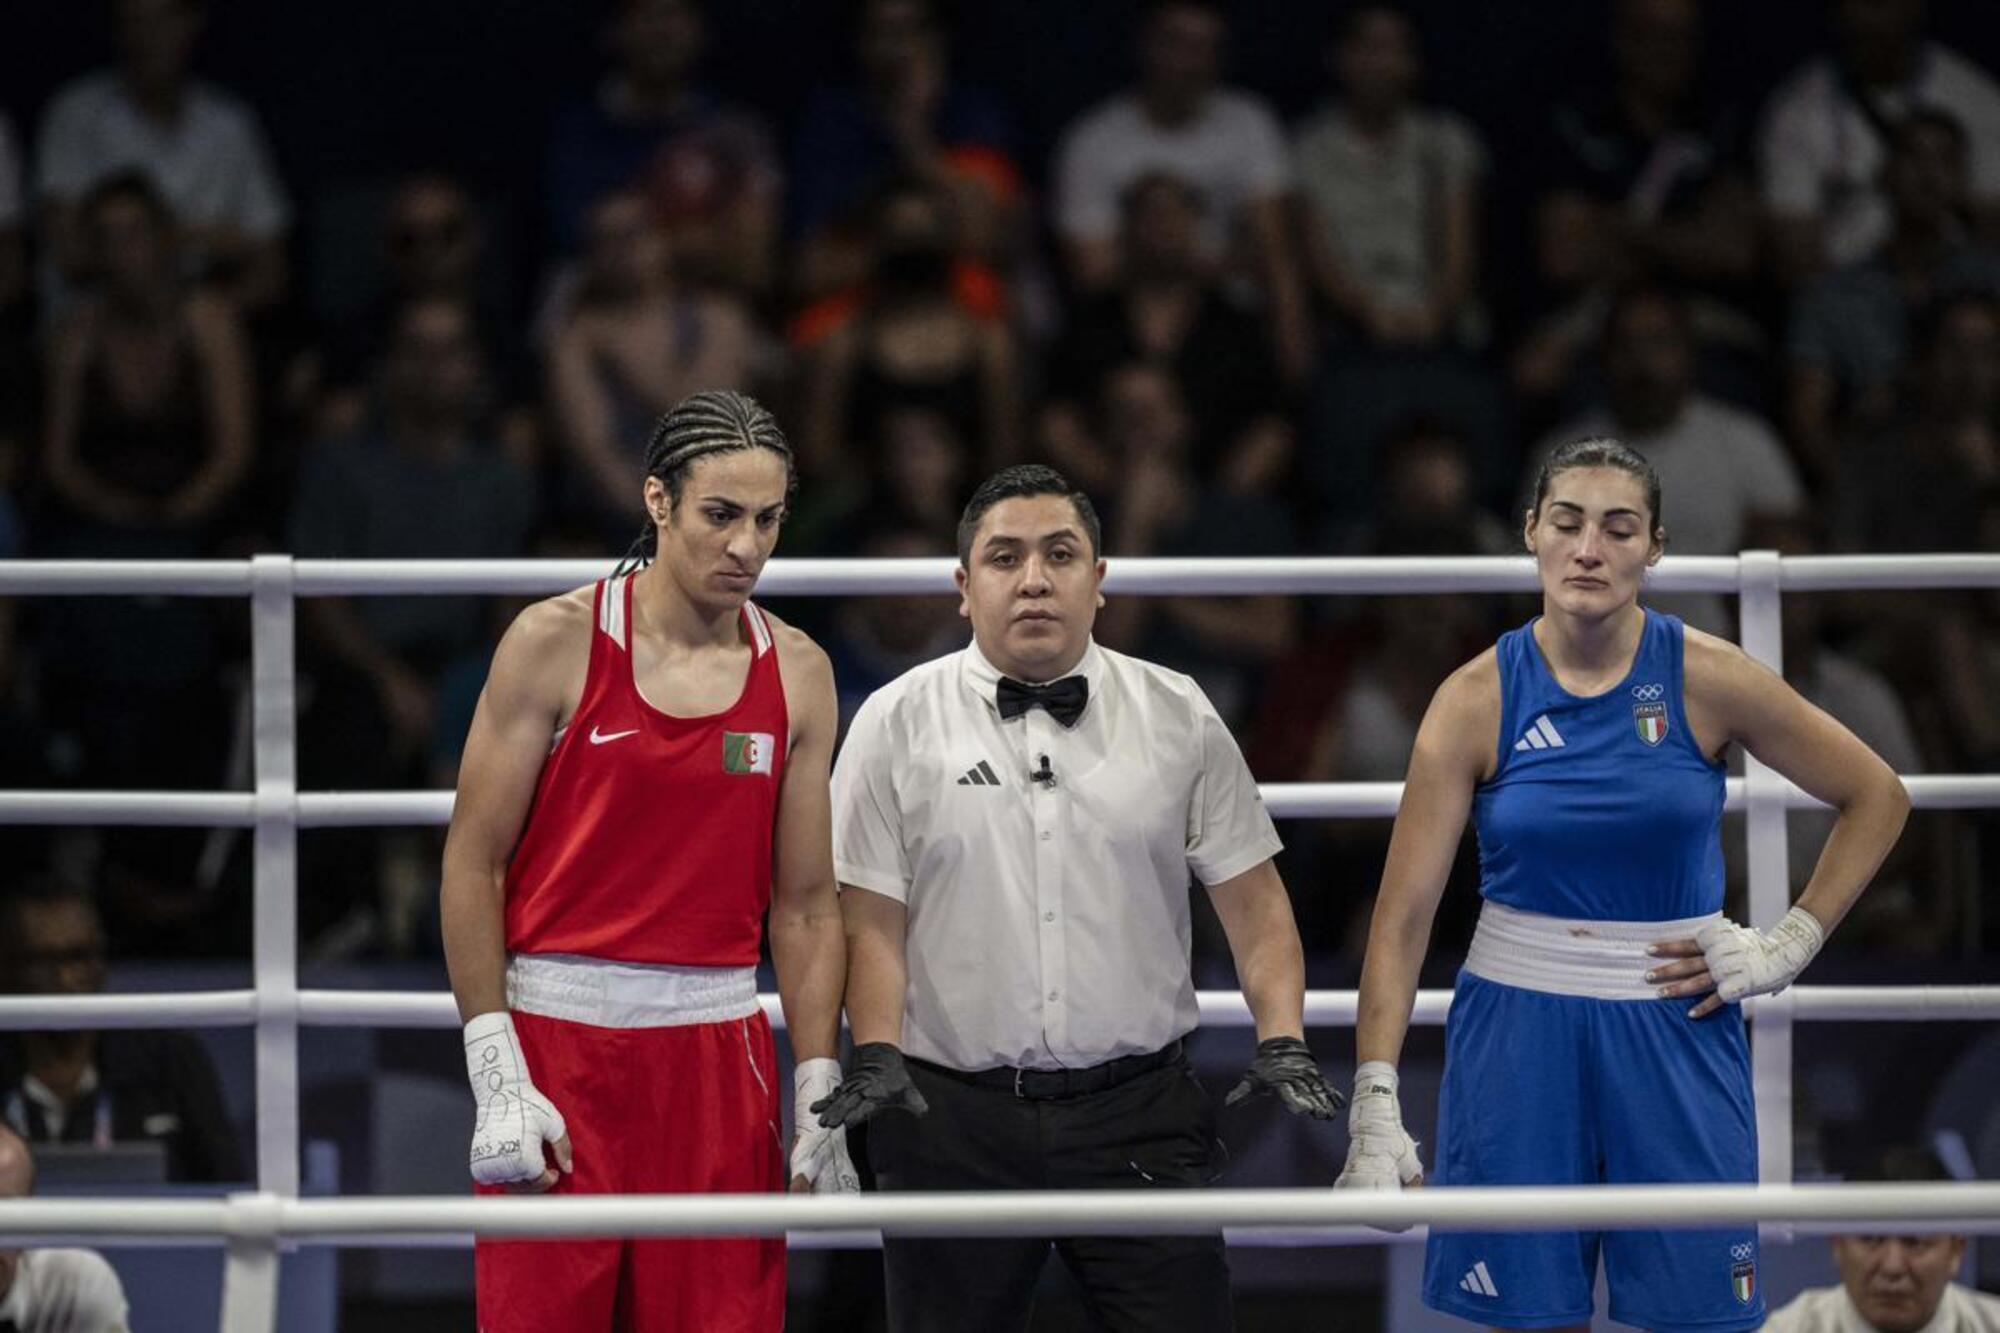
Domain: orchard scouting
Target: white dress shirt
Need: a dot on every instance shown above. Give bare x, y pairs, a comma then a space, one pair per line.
64, 1291
1049, 921
1831, 1310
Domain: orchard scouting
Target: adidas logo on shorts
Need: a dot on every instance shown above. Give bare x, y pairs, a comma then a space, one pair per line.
1478, 1281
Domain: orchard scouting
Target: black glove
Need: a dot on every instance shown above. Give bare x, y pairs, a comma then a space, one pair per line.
1284, 1066
876, 1081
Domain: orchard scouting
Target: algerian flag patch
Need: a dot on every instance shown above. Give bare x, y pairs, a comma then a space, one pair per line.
747, 751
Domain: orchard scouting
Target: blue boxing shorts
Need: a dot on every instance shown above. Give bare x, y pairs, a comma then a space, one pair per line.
1548, 1083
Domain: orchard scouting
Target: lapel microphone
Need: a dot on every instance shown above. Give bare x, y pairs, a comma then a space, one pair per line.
1044, 775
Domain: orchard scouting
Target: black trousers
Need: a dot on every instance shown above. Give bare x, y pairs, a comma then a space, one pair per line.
1156, 1131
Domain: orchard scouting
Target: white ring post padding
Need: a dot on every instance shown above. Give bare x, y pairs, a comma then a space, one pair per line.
274, 941
250, 1269
1761, 618
1961, 1207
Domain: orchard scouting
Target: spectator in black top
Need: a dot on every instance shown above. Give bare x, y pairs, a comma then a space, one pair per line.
1644, 181
708, 169
1913, 484
426, 484
912, 341
101, 1088
434, 244
905, 115
1157, 506
1167, 310
1850, 330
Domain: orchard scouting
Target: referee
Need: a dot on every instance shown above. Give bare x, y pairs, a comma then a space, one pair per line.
1015, 831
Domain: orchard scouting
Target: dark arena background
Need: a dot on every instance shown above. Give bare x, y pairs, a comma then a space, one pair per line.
382, 280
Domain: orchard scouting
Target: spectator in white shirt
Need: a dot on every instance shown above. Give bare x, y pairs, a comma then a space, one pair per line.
1728, 462
1224, 141
1391, 192
1016, 829
52, 1291
1824, 137
1894, 1284
201, 147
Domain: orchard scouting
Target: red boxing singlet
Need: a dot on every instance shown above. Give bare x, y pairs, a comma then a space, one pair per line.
649, 840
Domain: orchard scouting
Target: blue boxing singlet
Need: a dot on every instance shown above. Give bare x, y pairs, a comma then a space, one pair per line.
1601, 808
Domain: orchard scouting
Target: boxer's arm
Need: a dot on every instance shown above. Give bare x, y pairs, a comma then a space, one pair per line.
808, 948
1454, 745
512, 729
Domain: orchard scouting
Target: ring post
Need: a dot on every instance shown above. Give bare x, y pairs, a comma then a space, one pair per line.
1765, 798
275, 936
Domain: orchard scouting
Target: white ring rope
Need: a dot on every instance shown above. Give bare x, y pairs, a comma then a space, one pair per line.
1961, 1207
253, 1224
395, 809
1236, 576
1219, 1008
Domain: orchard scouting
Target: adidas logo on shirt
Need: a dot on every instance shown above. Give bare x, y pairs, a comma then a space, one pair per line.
1541, 736
1478, 1281
981, 776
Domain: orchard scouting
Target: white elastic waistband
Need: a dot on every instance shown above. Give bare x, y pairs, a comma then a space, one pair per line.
1599, 960
628, 995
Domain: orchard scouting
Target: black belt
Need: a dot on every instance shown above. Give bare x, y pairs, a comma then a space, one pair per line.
1048, 1084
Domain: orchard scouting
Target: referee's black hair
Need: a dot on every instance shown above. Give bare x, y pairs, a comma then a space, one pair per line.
1025, 479
1599, 451
714, 421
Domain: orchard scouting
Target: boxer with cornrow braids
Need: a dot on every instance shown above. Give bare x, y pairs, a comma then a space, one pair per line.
646, 775
712, 422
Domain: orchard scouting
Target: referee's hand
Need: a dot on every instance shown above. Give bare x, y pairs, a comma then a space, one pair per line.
1285, 1067
876, 1081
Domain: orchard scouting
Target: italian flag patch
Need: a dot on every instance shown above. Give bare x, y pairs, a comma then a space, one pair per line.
747, 751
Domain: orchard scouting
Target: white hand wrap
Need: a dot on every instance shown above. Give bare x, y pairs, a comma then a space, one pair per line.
1381, 1155
512, 1116
818, 1153
1746, 962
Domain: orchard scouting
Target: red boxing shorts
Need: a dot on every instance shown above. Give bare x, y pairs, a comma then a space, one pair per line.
684, 1109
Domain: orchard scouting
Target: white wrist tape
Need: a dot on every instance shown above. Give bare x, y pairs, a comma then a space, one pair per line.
1380, 1152
1746, 962
818, 1153
512, 1117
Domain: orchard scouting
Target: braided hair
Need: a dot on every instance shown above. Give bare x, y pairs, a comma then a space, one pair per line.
714, 421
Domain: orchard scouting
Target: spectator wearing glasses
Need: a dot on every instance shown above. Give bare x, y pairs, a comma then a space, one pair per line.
101, 1088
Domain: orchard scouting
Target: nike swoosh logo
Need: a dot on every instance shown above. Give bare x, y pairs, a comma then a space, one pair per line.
598, 739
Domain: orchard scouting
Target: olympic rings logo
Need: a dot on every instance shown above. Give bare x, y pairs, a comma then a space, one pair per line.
1648, 693
1743, 1251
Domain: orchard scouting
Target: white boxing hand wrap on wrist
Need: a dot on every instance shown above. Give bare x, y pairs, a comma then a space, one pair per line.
818, 1153
1380, 1152
1746, 962
512, 1117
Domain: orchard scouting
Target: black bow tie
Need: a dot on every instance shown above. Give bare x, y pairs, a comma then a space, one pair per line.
1064, 698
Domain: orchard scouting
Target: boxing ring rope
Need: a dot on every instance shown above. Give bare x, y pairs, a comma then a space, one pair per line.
254, 1225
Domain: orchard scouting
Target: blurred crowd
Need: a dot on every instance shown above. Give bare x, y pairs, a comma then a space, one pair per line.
1352, 331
